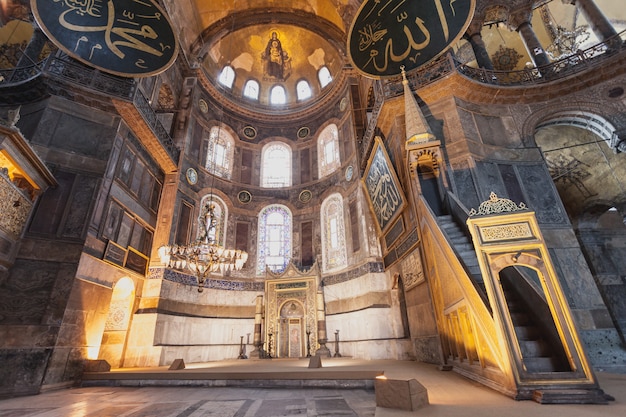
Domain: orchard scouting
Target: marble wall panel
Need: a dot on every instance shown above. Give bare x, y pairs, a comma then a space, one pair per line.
22, 370
542, 195
367, 324
177, 330
489, 180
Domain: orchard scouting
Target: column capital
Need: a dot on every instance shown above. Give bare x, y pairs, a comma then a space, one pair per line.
518, 18
474, 28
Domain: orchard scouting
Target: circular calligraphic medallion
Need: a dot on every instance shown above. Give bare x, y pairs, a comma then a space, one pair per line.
303, 132
192, 176
388, 35
126, 38
305, 196
343, 104
349, 173
204, 107
244, 197
249, 132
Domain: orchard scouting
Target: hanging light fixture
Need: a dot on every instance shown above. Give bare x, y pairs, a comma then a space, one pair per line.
204, 256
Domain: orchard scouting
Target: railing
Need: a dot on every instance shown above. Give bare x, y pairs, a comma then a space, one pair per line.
572, 64
368, 137
62, 68
12, 76
458, 211
59, 66
150, 117
446, 65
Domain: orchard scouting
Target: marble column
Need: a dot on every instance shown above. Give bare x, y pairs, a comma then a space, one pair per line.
258, 321
533, 46
321, 327
480, 51
598, 22
475, 38
33, 49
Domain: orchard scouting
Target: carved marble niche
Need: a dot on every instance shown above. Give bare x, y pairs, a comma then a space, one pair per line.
290, 312
23, 177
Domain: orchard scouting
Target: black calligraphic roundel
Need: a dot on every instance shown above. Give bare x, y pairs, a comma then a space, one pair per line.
130, 38
389, 34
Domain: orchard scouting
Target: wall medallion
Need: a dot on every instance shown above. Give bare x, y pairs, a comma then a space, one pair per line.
349, 173
192, 176
249, 132
343, 104
305, 196
303, 132
244, 197
204, 107
126, 38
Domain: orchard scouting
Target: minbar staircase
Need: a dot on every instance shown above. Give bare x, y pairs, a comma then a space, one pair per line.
545, 374
539, 354
463, 247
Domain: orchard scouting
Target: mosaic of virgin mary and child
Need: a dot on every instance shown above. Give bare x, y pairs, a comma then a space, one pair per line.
277, 60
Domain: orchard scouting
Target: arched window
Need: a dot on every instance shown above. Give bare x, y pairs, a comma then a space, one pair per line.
328, 151
334, 253
251, 89
276, 165
217, 233
278, 95
274, 239
303, 90
220, 151
227, 76
324, 76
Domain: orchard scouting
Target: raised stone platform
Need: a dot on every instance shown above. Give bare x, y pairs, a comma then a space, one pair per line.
244, 373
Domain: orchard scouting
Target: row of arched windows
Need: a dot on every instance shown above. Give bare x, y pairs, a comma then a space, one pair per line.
278, 94
275, 156
275, 231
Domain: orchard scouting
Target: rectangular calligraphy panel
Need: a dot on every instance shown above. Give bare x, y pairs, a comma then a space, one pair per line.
383, 187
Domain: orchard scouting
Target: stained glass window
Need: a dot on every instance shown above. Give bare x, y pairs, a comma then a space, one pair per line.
220, 152
328, 151
276, 165
274, 239
334, 252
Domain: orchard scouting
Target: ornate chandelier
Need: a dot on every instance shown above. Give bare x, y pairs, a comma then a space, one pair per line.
204, 256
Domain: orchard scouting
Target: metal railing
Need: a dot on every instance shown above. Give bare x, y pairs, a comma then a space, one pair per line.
59, 66
572, 64
12, 76
368, 136
150, 117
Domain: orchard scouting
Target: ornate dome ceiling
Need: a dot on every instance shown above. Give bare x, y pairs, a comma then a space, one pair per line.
307, 37
273, 55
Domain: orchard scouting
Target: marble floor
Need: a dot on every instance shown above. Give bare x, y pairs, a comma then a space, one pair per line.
449, 395
192, 402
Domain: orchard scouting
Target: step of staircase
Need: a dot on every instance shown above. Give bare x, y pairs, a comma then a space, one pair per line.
462, 245
570, 396
541, 364
534, 348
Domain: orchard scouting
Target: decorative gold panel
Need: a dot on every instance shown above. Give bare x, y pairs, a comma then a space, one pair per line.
503, 232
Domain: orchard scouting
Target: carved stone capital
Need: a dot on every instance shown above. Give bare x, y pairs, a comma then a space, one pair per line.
519, 17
